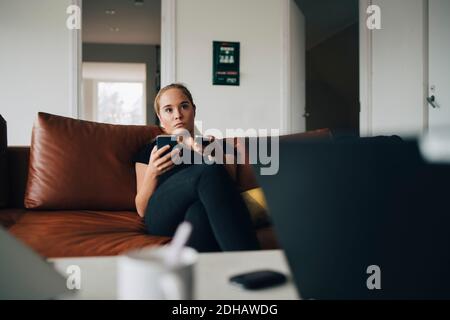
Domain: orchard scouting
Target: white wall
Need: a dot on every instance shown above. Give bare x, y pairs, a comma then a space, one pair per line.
258, 26
398, 83
34, 63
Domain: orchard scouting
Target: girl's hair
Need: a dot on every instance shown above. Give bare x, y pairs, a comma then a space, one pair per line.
178, 86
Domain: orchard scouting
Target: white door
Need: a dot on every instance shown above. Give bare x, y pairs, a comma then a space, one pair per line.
439, 64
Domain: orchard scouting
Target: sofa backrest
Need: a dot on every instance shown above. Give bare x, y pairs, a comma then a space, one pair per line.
44, 163
246, 177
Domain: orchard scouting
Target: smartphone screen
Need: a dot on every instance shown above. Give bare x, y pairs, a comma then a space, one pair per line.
164, 140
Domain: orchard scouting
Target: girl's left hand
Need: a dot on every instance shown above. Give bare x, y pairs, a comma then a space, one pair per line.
194, 145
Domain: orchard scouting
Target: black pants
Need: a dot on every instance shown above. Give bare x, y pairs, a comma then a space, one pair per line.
206, 196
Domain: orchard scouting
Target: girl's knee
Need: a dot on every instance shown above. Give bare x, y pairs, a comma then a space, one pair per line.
213, 169
196, 212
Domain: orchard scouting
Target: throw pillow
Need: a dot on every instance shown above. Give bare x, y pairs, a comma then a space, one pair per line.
76, 164
257, 205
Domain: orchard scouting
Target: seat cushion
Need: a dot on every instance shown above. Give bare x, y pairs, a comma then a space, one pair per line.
83, 233
83, 165
257, 206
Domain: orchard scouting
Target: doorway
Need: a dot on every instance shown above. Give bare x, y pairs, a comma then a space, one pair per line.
332, 65
121, 43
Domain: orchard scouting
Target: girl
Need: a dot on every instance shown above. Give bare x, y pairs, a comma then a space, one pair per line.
204, 195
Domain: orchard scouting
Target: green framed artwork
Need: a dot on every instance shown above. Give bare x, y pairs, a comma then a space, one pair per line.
226, 63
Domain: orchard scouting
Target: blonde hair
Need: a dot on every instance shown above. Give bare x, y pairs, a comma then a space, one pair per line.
178, 86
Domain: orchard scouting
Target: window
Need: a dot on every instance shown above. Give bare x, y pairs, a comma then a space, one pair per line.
120, 102
114, 93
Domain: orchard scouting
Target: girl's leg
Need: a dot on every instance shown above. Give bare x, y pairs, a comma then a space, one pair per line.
169, 203
202, 237
211, 185
228, 215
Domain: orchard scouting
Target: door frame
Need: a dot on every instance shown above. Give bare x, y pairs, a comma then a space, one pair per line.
168, 42
365, 71
285, 83
75, 67
168, 59
168, 54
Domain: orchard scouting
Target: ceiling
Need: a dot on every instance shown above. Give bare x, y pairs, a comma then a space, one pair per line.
133, 24
130, 23
327, 17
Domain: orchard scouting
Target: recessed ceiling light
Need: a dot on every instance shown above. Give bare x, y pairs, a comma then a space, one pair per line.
110, 11
114, 29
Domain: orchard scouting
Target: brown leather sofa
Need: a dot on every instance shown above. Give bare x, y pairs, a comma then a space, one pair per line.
71, 193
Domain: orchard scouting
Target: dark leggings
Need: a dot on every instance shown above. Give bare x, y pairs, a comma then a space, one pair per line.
206, 196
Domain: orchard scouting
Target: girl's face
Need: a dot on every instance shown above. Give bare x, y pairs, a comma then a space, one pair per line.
176, 111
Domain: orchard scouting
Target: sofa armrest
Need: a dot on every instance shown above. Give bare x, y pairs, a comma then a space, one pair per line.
18, 159
3, 164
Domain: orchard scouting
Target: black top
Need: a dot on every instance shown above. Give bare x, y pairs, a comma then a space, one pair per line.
143, 155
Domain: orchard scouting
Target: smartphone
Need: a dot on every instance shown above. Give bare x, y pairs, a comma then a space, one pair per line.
163, 140
258, 279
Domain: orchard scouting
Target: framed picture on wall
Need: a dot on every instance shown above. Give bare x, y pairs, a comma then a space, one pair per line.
226, 63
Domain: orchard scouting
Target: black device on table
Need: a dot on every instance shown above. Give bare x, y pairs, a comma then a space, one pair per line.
258, 279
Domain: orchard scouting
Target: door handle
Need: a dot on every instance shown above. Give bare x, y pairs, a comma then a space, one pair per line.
306, 115
432, 100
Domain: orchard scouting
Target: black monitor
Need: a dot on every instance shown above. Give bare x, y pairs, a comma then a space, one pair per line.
343, 209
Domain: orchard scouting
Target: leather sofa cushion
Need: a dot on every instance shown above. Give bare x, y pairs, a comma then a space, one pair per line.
77, 165
54, 234
83, 233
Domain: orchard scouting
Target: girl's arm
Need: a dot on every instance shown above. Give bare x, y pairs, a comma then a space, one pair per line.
147, 176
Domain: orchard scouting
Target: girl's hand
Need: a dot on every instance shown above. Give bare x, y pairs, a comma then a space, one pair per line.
190, 143
159, 164
210, 138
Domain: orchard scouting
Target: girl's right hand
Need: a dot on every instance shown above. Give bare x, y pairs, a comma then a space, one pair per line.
159, 164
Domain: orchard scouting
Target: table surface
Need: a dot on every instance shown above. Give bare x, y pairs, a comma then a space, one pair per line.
211, 274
